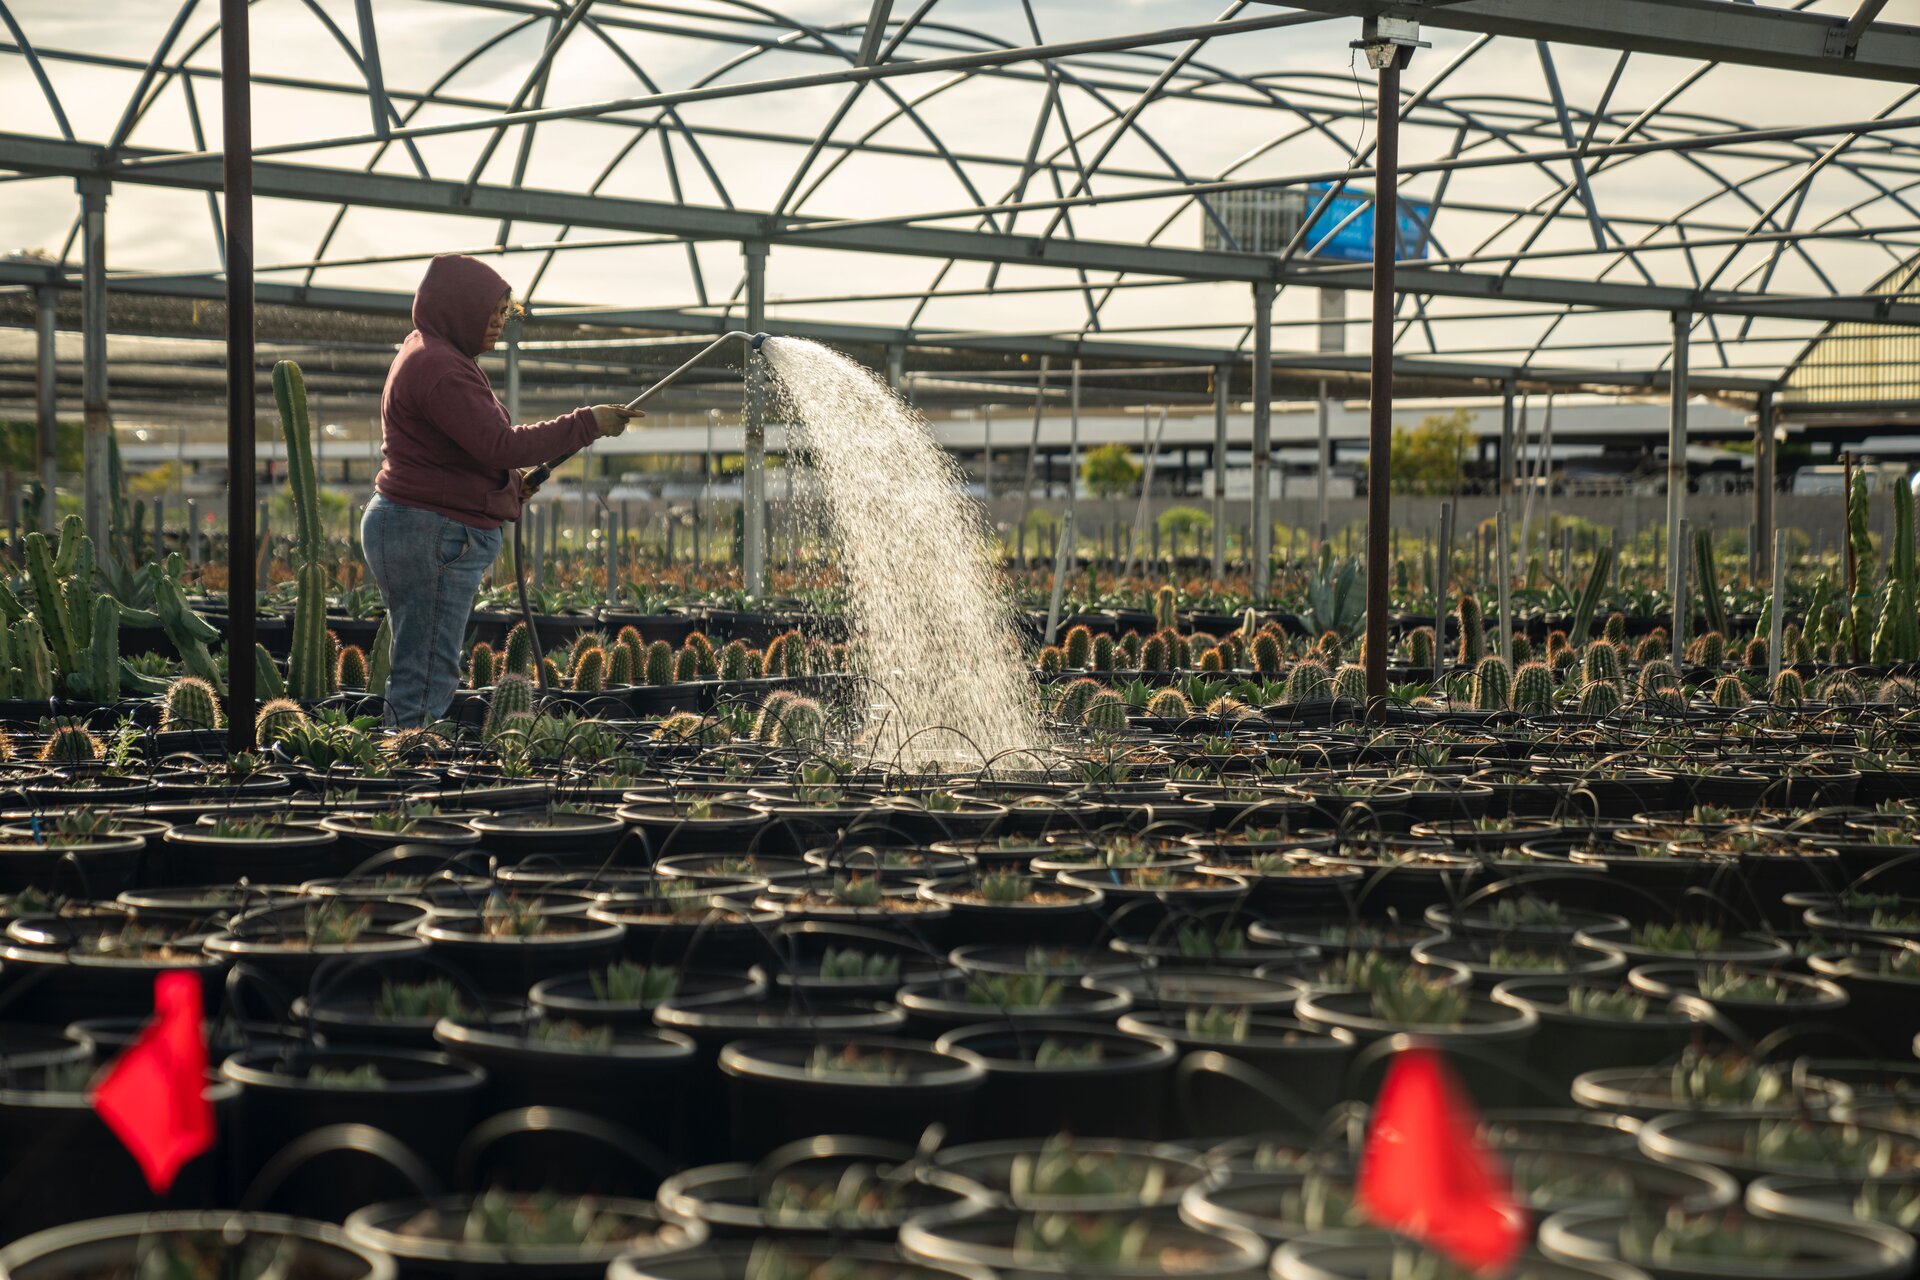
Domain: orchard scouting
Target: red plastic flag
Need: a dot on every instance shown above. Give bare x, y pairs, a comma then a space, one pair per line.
1425, 1174
154, 1099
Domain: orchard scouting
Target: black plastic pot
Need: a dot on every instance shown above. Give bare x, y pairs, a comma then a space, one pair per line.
1569, 1043
97, 867
116, 1246
938, 1006
426, 1238
1489, 1046
1862, 1251
1368, 1255
1055, 915
552, 839
1124, 1092
575, 997
992, 1241
740, 1260
192, 854
783, 1091
1807, 1000
511, 966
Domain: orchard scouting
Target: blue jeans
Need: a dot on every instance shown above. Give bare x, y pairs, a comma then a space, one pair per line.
428, 569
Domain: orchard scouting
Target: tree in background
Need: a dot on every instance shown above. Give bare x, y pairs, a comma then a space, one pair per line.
1109, 471
1431, 458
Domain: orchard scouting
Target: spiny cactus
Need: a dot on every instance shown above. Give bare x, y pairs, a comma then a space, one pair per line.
689, 727
1562, 661
1169, 704
1153, 654
190, 704
733, 661
512, 696
1706, 582
1074, 696
350, 668
1599, 698
1331, 646
1756, 655
1130, 650
1179, 652
1350, 683
1079, 648
278, 718
619, 666
1708, 650
551, 670
1473, 631
686, 666
793, 722
590, 669
774, 659
1655, 675
1309, 681
1233, 652
1602, 661
1898, 690
480, 665
1266, 654
1420, 648
1840, 689
630, 636
1652, 647
34, 659
1050, 661
1211, 661
1729, 693
519, 651
1105, 711
71, 744
1615, 629
659, 665
1522, 648
1789, 690
1164, 615
1533, 687
1492, 683
1105, 653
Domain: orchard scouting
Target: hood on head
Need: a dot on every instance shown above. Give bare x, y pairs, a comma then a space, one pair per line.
456, 299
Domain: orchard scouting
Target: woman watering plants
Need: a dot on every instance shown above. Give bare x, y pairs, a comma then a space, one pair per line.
451, 476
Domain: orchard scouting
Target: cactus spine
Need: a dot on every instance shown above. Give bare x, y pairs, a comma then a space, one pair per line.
1533, 688
1350, 683
190, 704
480, 666
733, 661
1309, 681
1492, 684
659, 668
1420, 648
1599, 698
350, 668
1169, 704
519, 651
1079, 648
590, 669
1106, 711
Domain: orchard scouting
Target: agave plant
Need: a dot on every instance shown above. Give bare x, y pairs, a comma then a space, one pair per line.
336, 922
1601, 1002
1727, 982
365, 1076
1014, 990
432, 999
1678, 938
852, 965
1726, 1079
1062, 1169
862, 1195
1412, 1000
570, 1036
242, 829
858, 891
508, 916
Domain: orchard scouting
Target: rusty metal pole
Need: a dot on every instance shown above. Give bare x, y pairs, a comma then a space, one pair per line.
237, 169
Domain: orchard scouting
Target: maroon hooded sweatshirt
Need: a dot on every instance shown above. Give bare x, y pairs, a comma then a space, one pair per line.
448, 445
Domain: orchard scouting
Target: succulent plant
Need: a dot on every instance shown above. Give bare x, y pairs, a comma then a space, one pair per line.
1308, 681
1412, 1000
1219, 1022
1601, 1002
1682, 937
1473, 631
1420, 647
337, 922
1492, 684
852, 965
432, 999
365, 1076
1533, 688
851, 1061
569, 1036
1014, 990
190, 704
625, 982
541, 1220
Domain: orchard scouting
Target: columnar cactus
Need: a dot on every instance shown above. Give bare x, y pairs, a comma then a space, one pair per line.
1420, 648
1653, 646
1079, 647
1562, 661
590, 669
1105, 653
190, 704
1211, 661
774, 658
310, 664
102, 674
1350, 683
1267, 658
1473, 631
1179, 652
686, 665
1051, 660
733, 661
1729, 693
1153, 654
1106, 712
619, 666
1233, 653
1533, 687
519, 651
551, 671
34, 661
480, 666
1164, 615
350, 668
1602, 661
1599, 698
512, 696
1615, 629
1789, 690
277, 718
1330, 646
794, 722
269, 684
1522, 647
1492, 683
1309, 681
1169, 704
1756, 655
659, 668
1130, 650
1708, 650
703, 651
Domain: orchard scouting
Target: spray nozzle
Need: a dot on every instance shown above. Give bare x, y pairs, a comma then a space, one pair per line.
755, 341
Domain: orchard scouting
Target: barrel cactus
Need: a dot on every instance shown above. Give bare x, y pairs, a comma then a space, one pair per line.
1898, 690
1074, 696
190, 704
589, 674
1708, 650
689, 727
733, 661
1169, 704
1492, 683
1105, 653
278, 718
1729, 693
350, 668
1211, 661
1602, 661
480, 666
1652, 647
1615, 630
1522, 648
1153, 654
686, 666
1130, 650
71, 744
1350, 683
1562, 661
619, 667
1266, 654
1789, 690
795, 722
1655, 675
1841, 690
1050, 661
1756, 655
1533, 687
1309, 681
1420, 647
1106, 711
1079, 648
1599, 698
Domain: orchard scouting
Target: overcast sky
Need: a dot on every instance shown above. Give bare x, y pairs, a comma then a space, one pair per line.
986, 116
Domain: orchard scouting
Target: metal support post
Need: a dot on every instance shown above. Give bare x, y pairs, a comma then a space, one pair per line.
1324, 413
1222, 403
1073, 441
1261, 551
46, 401
93, 356
1777, 640
1677, 465
237, 172
1442, 572
1763, 481
1062, 553
753, 490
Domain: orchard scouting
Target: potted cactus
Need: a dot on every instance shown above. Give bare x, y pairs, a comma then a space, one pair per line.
497, 1234
1685, 1246
196, 1246
784, 1091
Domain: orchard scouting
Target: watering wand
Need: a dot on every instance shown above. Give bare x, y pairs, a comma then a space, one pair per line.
540, 474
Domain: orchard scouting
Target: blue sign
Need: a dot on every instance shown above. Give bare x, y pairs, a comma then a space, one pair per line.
1344, 229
